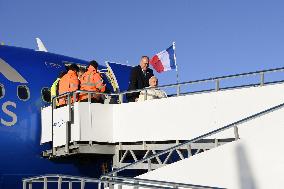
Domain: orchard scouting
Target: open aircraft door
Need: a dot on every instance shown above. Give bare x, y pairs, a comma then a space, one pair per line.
118, 75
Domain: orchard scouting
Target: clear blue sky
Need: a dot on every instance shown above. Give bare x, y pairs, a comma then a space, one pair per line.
213, 37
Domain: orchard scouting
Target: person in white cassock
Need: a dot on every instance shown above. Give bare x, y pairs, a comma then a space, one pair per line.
152, 91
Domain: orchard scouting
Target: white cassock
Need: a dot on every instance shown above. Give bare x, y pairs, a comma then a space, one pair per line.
152, 94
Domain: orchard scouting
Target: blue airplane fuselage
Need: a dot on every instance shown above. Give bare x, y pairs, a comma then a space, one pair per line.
20, 126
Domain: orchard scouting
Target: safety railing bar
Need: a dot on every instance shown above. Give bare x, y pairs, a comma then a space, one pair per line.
227, 88
62, 176
150, 183
94, 92
224, 77
211, 79
201, 137
177, 84
160, 185
155, 181
165, 86
244, 74
54, 181
135, 184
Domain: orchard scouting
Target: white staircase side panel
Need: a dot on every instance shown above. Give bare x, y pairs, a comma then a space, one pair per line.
60, 119
186, 117
175, 118
46, 125
91, 122
94, 122
254, 161
76, 124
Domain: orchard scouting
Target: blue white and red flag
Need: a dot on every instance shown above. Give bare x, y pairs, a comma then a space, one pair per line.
164, 60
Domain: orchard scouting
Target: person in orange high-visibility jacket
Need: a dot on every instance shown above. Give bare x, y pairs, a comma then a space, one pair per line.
68, 83
91, 80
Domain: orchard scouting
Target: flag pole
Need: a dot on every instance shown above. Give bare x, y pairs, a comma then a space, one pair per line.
178, 87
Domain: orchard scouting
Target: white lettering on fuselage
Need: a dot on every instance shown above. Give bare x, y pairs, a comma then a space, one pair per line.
5, 109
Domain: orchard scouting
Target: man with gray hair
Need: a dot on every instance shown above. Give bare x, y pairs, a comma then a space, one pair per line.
139, 78
152, 92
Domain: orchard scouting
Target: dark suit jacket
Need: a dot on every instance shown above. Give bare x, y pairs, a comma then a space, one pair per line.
138, 81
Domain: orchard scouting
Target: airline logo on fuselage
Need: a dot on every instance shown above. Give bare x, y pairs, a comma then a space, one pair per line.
12, 75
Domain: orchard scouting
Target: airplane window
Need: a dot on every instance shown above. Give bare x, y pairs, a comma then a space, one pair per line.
2, 91
23, 92
45, 94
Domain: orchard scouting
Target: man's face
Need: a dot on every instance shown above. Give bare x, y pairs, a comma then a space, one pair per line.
153, 82
80, 73
144, 63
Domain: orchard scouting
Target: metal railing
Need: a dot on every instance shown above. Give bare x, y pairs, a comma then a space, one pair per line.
120, 95
117, 180
107, 182
155, 182
189, 142
216, 80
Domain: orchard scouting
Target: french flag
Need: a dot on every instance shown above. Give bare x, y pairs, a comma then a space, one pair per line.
165, 60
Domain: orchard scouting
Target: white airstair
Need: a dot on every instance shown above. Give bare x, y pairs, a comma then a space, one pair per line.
256, 160
190, 123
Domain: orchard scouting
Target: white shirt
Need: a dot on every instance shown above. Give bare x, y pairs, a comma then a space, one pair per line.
152, 94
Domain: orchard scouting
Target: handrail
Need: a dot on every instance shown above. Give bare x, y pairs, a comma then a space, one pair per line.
234, 124
230, 76
154, 182
145, 183
213, 79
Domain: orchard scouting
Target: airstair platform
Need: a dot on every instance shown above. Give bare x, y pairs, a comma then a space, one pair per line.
91, 128
152, 134
254, 161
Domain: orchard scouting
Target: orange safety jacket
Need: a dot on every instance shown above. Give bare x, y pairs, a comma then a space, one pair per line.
68, 83
91, 80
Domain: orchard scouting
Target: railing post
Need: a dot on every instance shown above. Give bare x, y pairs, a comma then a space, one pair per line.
53, 106
45, 183
99, 185
189, 153
178, 90
217, 85
261, 78
82, 184
111, 185
24, 184
120, 98
74, 97
69, 106
149, 165
236, 132
119, 186
89, 97
53, 102
59, 183
70, 185
67, 137
30, 185
216, 142
145, 94
135, 183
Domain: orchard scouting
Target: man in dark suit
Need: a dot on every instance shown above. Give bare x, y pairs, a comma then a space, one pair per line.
139, 78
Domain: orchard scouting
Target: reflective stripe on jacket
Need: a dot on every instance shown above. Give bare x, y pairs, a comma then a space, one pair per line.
68, 83
53, 89
91, 80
